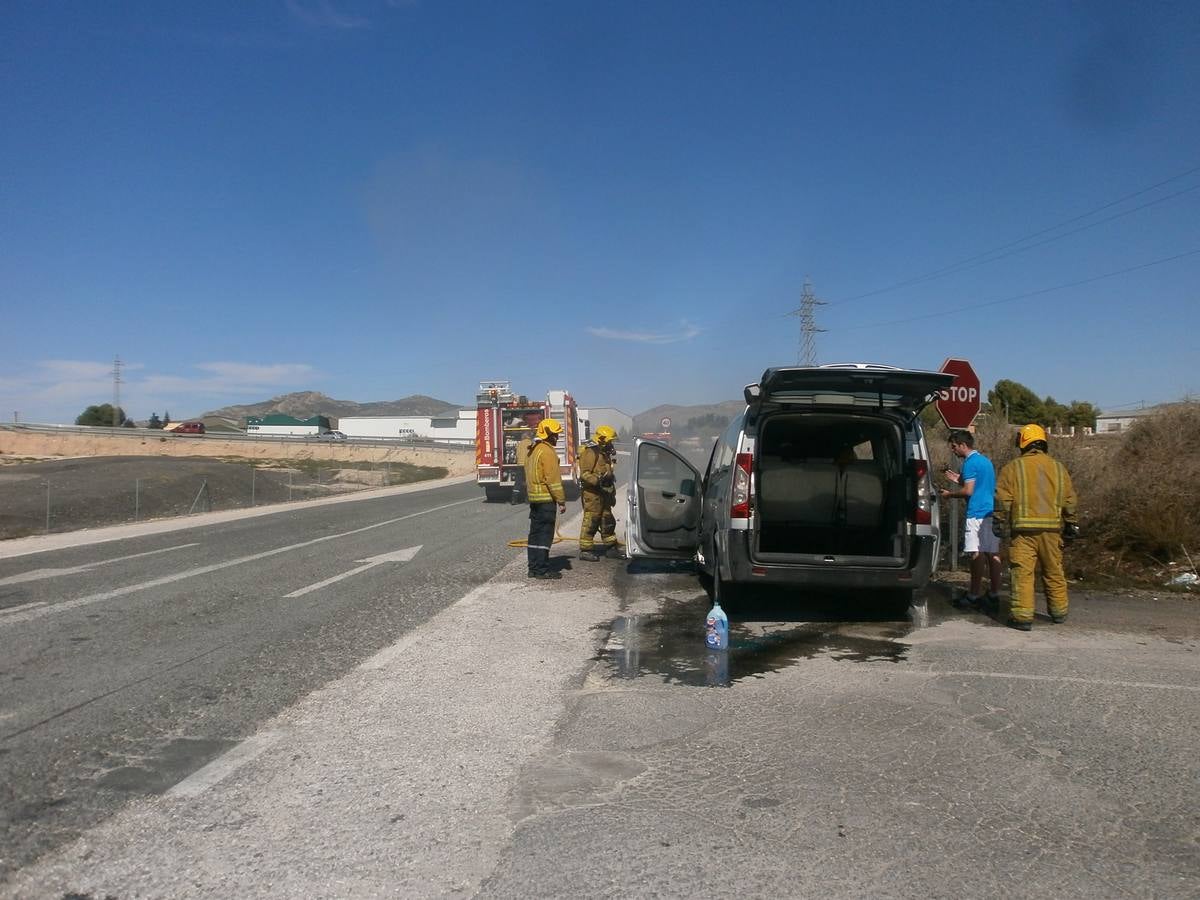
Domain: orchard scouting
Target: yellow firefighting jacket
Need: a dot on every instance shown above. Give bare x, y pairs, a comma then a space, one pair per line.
543, 481
1034, 493
523, 451
594, 465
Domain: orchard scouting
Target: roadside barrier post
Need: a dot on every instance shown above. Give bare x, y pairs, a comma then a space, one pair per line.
47, 507
137, 498
252, 471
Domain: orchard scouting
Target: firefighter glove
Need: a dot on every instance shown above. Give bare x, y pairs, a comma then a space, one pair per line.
999, 528
1070, 532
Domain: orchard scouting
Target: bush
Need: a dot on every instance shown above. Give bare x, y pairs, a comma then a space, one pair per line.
1149, 500
1139, 493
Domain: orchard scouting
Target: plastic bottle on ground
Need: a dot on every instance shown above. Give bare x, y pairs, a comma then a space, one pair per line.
716, 628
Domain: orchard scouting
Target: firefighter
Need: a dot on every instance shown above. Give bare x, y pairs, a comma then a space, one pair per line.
1035, 509
544, 487
598, 490
523, 447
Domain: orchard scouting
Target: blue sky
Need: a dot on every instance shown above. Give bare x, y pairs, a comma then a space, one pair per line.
373, 199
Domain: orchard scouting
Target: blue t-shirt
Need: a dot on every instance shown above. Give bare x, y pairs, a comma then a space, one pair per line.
979, 468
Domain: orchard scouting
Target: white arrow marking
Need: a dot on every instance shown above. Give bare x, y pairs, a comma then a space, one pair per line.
39, 574
396, 556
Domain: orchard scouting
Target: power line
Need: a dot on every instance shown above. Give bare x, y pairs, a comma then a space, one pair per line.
1058, 237
1025, 296
981, 258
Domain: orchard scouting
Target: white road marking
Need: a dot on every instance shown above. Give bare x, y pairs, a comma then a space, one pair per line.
1069, 679
13, 609
398, 556
27, 615
39, 574
202, 779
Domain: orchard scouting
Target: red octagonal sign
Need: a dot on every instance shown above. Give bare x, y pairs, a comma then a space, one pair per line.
958, 405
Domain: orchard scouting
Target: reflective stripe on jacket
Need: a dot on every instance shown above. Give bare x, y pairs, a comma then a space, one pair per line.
543, 481
1034, 493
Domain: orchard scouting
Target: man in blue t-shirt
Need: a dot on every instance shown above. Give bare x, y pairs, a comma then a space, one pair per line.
977, 483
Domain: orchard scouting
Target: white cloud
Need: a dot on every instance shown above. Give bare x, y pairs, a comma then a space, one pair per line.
75, 369
249, 373
58, 389
686, 333
324, 14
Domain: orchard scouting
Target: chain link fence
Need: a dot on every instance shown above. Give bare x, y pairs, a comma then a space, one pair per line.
50, 496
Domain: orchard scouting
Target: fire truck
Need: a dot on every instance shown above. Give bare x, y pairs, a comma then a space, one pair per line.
502, 418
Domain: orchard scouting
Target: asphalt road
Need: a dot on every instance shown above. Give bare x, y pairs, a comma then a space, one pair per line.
574, 739
126, 665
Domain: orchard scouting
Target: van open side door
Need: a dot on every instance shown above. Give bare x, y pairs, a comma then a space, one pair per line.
663, 504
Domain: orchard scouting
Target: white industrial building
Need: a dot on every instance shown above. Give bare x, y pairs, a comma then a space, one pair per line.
460, 428
449, 429
606, 415
1115, 422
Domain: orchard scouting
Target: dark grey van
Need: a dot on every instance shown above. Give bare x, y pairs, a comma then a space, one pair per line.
823, 481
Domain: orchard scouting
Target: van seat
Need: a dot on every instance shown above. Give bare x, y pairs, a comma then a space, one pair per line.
796, 492
862, 484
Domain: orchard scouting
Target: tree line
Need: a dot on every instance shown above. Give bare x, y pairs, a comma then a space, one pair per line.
106, 416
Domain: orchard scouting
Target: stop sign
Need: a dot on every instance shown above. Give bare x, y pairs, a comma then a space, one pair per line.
958, 405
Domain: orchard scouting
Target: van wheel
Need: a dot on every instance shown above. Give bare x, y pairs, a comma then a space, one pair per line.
897, 600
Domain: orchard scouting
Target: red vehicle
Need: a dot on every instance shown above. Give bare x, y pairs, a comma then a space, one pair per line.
502, 418
189, 428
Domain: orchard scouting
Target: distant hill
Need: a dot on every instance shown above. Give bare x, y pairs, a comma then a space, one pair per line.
651, 419
304, 404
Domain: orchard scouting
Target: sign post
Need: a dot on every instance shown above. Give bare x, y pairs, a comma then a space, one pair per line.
958, 405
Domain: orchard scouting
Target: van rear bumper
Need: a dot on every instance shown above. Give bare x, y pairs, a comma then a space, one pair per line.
914, 575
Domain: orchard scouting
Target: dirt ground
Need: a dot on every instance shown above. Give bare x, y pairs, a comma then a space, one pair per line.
69, 494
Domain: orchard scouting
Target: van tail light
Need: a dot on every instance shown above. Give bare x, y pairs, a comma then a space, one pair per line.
739, 497
923, 501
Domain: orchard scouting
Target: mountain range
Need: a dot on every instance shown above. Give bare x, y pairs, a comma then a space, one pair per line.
304, 404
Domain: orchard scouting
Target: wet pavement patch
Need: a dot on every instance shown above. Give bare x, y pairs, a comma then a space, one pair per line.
670, 644
172, 763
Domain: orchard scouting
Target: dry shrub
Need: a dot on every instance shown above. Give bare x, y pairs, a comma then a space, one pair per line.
1139, 492
1149, 497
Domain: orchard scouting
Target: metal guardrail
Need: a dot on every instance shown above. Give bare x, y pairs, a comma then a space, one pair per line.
143, 433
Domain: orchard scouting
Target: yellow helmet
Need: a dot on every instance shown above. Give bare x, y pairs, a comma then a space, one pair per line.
547, 427
1030, 433
605, 435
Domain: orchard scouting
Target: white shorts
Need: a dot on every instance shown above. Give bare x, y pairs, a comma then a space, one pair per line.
978, 537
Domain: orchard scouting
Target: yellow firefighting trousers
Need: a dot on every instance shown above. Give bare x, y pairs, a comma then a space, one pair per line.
597, 515
1024, 553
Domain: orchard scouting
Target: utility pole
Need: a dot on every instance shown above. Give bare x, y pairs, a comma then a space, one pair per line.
116, 374
808, 325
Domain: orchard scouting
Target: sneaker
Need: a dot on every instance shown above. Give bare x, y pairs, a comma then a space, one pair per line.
589, 556
546, 576
1058, 620
966, 602
1019, 624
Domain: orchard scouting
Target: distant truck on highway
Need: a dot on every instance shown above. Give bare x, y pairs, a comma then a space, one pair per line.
501, 418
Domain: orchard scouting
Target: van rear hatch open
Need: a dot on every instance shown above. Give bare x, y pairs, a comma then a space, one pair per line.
849, 385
